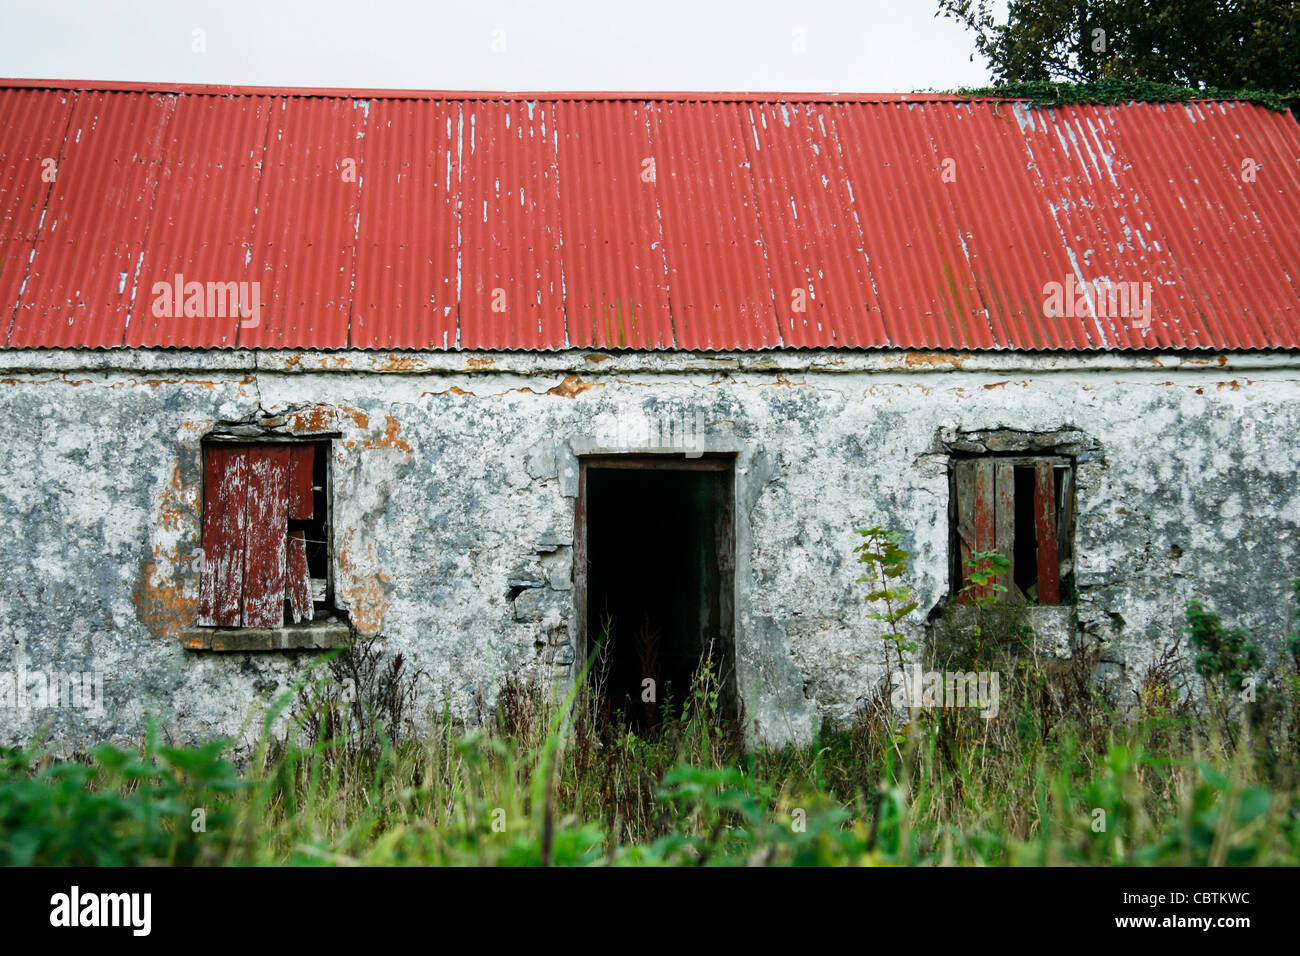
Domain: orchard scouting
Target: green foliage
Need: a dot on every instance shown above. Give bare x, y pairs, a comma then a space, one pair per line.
1204, 47
982, 569
1048, 94
1056, 779
1219, 825
122, 809
844, 801
886, 562
736, 820
1225, 655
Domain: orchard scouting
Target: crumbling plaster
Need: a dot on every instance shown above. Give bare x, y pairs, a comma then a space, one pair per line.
454, 478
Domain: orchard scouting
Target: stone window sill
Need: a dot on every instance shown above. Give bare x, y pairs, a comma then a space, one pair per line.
313, 636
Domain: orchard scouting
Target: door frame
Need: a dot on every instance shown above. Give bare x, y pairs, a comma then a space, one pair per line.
724, 539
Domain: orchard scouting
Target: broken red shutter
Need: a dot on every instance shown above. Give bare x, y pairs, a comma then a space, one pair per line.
1049, 569
265, 549
225, 479
1005, 531
299, 578
1064, 516
301, 467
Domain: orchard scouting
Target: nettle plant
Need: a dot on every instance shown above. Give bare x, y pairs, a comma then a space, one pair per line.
886, 561
983, 568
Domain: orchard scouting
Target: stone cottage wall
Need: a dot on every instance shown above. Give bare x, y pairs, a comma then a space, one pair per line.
454, 478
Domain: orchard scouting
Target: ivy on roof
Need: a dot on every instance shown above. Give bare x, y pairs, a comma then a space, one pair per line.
1113, 92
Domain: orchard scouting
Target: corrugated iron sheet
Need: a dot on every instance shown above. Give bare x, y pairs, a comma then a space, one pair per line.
393, 220
79, 285
407, 293
204, 217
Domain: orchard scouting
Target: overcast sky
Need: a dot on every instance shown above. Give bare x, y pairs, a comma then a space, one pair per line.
648, 45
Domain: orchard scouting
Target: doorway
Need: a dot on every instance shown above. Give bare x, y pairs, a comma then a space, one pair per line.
655, 580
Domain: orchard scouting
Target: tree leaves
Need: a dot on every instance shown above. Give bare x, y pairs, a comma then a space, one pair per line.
1196, 45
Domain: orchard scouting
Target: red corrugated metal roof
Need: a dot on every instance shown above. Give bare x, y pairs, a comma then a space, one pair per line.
394, 220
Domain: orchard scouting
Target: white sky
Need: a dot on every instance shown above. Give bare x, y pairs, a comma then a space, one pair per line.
875, 46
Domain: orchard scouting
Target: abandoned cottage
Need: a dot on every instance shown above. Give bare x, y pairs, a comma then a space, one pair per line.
487, 375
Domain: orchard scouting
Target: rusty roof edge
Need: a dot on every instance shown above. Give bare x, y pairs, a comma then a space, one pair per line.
325, 92
597, 363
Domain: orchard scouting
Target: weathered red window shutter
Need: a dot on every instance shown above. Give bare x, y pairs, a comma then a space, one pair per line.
298, 582
1005, 531
252, 562
1049, 568
302, 459
964, 480
265, 552
985, 538
225, 482
976, 527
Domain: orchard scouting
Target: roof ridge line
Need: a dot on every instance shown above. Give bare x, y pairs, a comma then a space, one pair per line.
703, 96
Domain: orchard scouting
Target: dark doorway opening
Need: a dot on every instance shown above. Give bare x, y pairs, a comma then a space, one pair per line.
1025, 556
656, 581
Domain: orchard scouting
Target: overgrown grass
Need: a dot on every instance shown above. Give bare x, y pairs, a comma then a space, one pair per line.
345, 777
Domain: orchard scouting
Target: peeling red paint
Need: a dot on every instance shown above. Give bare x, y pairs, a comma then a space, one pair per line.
367, 268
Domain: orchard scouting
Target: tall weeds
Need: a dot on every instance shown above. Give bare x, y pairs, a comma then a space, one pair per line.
1058, 777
